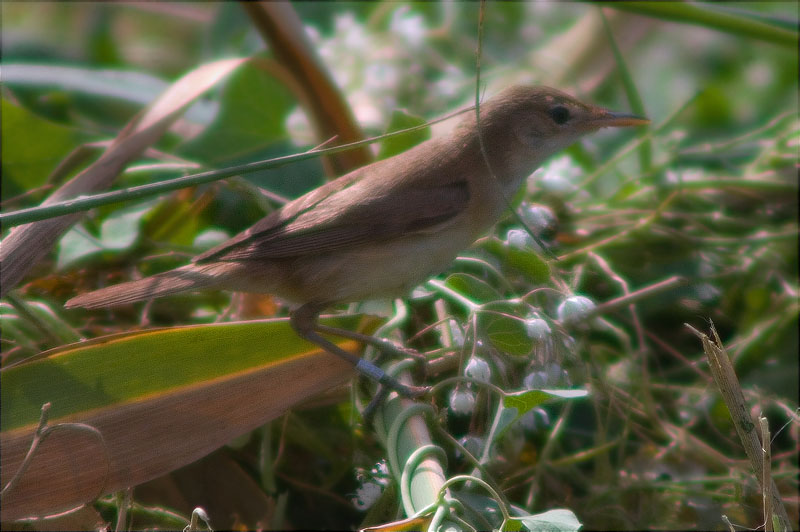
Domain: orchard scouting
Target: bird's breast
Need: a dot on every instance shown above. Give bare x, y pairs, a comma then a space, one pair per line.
387, 269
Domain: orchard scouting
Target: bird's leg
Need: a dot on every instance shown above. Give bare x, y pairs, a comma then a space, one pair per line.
374, 403
304, 322
384, 346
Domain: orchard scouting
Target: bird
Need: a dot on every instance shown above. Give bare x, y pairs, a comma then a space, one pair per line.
386, 227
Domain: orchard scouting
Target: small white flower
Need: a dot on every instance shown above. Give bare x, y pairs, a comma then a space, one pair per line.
574, 309
538, 329
539, 217
462, 401
478, 369
519, 239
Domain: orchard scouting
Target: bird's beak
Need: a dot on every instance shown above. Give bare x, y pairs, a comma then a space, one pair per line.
605, 118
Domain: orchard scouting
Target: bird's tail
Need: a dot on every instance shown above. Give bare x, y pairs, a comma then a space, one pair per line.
190, 277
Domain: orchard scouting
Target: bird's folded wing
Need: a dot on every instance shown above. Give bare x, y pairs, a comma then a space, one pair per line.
345, 215
280, 218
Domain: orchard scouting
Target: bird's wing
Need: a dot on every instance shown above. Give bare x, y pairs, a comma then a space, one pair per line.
278, 220
346, 213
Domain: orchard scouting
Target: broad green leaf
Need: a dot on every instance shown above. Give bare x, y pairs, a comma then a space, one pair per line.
516, 404
20, 329
472, 288
530, 264
106, 371
120, 230
117, 232
209, 238
526, 261
506, 333
513, 525
525, 401
24, 247
31, 148
130, 86
252, 115
175, 220
551, 521
503, 419
161, 398
394, 145
74, 245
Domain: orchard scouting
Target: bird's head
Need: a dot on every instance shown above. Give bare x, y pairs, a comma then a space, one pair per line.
546, 120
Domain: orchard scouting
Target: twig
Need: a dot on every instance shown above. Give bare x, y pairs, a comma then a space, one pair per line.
766, 460
38, 436
731, 390
124, 499
42, 432
628, 299
84, 203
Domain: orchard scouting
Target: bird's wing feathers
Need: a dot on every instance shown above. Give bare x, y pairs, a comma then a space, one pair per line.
328, 219
277, 220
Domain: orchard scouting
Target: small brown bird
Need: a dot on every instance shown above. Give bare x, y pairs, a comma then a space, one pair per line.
387, 227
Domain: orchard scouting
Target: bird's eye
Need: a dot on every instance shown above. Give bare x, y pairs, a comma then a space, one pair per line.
559, 114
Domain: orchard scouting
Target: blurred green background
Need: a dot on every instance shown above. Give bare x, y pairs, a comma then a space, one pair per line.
709, 192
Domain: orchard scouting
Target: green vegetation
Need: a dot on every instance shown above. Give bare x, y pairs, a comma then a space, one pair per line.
566, 391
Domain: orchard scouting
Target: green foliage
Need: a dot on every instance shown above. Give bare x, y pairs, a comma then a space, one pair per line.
118, 232
506, 332
554, 520
77, 377
394, 145
707, 193
34, 150
252, 112
471, 286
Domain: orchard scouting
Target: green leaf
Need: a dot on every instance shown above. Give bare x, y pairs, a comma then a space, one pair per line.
513, 525
394, 145
31, 148
551, 521
530, 264
174, 220
503, 419
134, 87
209, 238
506, 333
526, 400
711, 17
52, 320
526, 261
122, 367
118, 231
161, 399
23, 325
471, 287
626, 191
517, 404
74, 245
252, 115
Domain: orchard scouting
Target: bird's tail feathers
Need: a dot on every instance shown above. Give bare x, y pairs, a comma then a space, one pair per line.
191, 277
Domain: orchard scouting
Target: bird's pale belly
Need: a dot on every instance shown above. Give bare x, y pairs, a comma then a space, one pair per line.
388, 270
